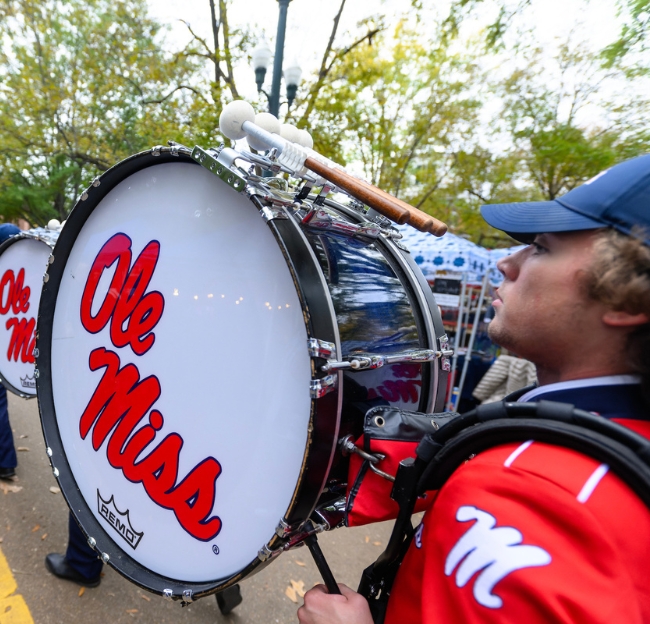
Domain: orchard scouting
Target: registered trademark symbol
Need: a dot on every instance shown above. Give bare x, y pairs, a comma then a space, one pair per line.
215, 549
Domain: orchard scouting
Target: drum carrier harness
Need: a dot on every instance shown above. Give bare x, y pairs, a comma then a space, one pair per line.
440, 453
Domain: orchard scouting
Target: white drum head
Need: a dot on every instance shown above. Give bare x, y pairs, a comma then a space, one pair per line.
22, 266
229, 356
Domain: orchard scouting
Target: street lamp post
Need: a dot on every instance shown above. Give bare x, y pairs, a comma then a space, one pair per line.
274, 100
262, 58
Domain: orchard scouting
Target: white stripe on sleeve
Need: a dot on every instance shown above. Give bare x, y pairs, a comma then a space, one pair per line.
592, 482
516, 453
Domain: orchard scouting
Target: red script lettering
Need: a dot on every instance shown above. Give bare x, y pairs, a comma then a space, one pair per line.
125, 301
117, 406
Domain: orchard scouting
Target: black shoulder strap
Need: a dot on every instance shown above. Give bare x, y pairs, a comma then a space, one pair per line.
440, 453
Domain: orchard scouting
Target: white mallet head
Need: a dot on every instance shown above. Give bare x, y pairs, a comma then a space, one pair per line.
53, 224
290, 133
305, 139
267, 122
232, 118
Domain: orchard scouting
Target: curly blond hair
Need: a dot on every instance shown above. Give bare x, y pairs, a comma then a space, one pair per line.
619, 277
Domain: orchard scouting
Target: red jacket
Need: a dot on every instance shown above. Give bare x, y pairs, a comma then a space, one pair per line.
533, 533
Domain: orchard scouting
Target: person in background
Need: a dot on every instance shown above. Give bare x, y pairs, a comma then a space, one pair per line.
533, 532
507, 374
80, 564
8, 459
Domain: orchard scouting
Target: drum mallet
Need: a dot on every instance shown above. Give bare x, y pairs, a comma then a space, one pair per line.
322, 565
237, 121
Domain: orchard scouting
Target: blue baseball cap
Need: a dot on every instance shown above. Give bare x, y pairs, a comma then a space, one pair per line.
618, 197
7, 230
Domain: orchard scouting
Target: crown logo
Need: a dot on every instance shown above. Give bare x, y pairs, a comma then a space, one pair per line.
28, 382
119, 520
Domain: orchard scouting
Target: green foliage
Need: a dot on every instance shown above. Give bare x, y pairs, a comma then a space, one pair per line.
542, 112
84, 84
396, 107
633, 37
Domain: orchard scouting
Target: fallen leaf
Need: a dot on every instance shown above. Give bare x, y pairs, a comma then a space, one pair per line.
43, 536
298, 587
302, 564
377, 543
131, 610
145, 597
55, 490
22, 437
22, 448
367, 538
5, 487
290, 593
36, 528
81, 591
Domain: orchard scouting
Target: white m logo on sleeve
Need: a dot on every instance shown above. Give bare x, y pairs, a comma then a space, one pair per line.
494, 552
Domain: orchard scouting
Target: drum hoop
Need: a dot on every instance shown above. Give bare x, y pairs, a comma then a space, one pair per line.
3, 247
324, 414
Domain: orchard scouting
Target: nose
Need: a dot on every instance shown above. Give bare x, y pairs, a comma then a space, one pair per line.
509, 266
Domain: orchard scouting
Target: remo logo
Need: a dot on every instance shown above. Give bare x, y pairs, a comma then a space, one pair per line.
120, 410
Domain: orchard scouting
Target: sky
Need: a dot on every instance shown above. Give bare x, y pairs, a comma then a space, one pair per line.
309, 23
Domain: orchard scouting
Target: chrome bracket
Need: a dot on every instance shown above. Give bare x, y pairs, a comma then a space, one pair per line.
283, 530
265, 553
331, 515
445, 362
347, 447
269, 213
320, 387
325, 190
370, 361
322, 221
187, 597
221, 166
321, 348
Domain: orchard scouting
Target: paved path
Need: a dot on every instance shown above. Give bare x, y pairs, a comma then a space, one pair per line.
33, 522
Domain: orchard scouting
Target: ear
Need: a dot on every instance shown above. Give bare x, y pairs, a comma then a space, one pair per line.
619, 318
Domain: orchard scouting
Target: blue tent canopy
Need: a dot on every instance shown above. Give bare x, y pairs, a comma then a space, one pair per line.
452, 253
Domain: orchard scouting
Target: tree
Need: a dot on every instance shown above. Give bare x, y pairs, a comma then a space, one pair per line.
83, 84
397, 106
543, 113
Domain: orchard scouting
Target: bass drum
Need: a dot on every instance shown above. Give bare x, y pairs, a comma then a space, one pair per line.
23, 260
192, 344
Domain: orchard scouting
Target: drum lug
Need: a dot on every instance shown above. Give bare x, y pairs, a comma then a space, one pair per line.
445, 362
283, 530
168, 594
269, 213
331, 515
187, 597
321, 349
221, 166
323, 221
320, 387
265, 553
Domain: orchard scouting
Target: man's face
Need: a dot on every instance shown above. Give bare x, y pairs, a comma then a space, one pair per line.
542, 311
